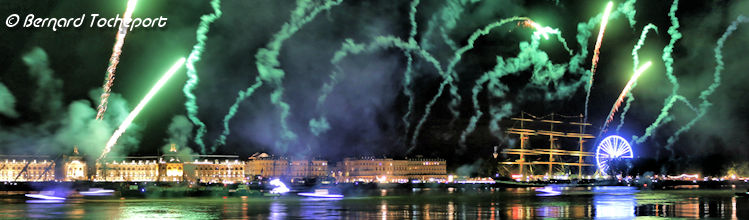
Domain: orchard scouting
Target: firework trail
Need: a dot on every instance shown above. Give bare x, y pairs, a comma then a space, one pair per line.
407, 78
640, 43
115, 59
446, 18
635, 64
221, 140
130, 117
458, 55
449, 78
544, 73
192, 76
241, 96
7, 102
268, 66
584, 33
498, 91
668, 61
628, 10
720, 65
47, 98
545, 31
349, 47
596, 53
551, 73
540, 31
599, 41
624, 93
528, 57
318, 126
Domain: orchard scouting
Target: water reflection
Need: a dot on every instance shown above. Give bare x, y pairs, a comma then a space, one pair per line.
602, 202
614, 202
44, 210
171, 210
384, 209
694, 207
277, 210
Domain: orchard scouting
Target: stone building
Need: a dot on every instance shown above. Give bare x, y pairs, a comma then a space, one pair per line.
388, 170
25, 168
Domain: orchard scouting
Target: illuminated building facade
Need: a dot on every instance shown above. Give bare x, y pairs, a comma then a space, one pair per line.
129, 169
170, 167
75, 167
306, 168
424, 169
298, 168
372, 169
215, 169
173, 167
318, 168
26, 169
388, 170
266, 166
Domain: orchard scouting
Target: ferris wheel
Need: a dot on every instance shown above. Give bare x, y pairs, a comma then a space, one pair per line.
612, 147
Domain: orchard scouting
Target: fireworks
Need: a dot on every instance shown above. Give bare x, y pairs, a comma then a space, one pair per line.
407, 75
624, 92
450, 76
349, 47
130, 117
597, 52
270, 71
540, 30
544, 31
115, 59
635, 64
192, 76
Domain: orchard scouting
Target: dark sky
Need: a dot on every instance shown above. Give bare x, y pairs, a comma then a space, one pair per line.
366, 105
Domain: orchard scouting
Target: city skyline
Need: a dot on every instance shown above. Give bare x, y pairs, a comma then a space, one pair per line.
371, 110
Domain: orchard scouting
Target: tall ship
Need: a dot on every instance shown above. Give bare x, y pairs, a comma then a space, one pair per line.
549, 147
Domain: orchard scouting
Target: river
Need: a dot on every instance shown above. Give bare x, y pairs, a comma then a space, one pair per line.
452, 203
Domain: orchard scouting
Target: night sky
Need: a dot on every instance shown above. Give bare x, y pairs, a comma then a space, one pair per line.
54, 78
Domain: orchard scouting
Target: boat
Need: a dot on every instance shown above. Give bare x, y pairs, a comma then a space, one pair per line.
321, 193
45, 197
548, 191
97, 192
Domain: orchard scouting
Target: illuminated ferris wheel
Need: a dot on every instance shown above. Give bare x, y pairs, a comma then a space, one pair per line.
612, 147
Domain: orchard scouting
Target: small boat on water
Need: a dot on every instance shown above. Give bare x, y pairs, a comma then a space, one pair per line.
321, 193
97, 192
44, 196
548, 191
